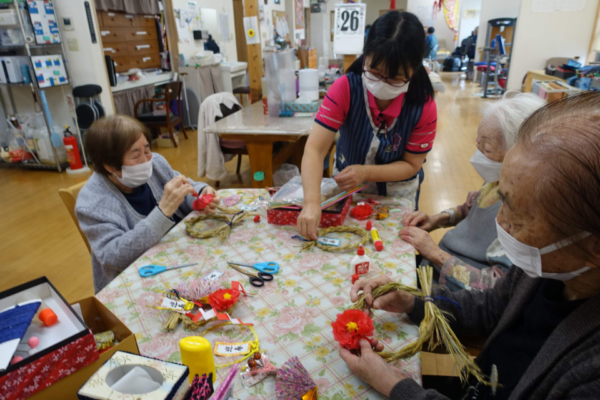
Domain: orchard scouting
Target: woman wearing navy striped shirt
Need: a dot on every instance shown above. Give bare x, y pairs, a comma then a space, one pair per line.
385, 113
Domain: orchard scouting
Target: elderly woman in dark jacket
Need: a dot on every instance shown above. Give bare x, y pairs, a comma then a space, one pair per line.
543, 319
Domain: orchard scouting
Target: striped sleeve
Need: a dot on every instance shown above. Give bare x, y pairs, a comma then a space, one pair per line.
336, 104
422, 137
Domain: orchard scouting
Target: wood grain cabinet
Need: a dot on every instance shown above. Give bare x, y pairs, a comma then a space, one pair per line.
132, 41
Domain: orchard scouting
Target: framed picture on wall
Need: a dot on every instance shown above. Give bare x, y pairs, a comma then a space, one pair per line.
299, 5
277, 1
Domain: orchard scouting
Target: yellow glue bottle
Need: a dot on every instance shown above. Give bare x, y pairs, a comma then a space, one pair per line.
197, 355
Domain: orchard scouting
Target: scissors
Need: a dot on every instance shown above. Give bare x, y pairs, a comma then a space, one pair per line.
151, 270
257, 279
264, 267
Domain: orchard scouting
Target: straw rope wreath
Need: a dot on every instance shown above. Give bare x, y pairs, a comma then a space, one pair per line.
221, 232
363, 234
434, 328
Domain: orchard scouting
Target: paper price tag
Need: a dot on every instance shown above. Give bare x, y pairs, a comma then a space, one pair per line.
173, 304
213, 276
232, 349
329, 241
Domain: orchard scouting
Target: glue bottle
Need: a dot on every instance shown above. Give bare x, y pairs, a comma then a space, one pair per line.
360, 263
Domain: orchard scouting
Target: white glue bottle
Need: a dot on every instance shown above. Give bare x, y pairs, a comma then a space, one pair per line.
360, 263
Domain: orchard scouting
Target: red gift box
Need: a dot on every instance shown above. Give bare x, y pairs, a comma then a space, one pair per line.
289, 215
75, 349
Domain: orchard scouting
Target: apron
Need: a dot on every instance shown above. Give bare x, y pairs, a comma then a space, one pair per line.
362, 142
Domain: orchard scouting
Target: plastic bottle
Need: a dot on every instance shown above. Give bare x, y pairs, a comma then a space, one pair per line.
43, 146
360, 263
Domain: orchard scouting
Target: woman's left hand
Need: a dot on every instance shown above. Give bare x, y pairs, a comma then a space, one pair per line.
420, 240
371, 368
212, 207
351, 177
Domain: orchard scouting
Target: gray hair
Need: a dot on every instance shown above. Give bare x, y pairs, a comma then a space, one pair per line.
511, 111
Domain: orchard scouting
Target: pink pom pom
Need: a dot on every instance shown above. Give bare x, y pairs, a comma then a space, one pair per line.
33, 342
16, 359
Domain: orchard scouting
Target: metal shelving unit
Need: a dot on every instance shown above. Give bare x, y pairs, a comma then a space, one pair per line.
37, 92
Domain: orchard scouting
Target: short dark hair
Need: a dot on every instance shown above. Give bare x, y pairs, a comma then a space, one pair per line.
431, 29
396, 39
566, 134
109, 138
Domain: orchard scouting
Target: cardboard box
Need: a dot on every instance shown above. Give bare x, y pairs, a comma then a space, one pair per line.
99, 319
64, 348
171, 379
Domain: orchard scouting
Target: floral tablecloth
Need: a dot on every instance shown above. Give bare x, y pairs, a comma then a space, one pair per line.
292, 314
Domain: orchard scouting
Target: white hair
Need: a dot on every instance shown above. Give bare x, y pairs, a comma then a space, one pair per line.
511, 111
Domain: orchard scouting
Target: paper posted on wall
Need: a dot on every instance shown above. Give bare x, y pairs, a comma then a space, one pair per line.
251, 29
224, 26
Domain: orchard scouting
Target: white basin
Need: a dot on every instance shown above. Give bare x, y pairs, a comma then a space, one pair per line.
234, 66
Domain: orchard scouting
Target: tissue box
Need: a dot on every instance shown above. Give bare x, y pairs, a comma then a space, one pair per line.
289, 216
99, 319
64, 348
309, 107
173, 378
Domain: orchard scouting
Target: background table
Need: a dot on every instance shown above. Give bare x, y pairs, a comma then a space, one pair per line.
292, 314
260, 131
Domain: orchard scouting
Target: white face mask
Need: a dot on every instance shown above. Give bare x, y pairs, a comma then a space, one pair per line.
529, 258
384, 91
135, 175
488, 169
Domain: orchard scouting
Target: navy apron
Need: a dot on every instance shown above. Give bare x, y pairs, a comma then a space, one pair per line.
384, 146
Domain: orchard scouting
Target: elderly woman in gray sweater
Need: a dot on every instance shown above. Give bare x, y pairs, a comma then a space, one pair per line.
462, 258
133, 197
542, 320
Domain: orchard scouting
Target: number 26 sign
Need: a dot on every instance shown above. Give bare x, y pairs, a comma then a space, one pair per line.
349, 28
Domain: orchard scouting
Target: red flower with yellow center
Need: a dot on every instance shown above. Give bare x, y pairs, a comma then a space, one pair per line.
351, 326
222, 299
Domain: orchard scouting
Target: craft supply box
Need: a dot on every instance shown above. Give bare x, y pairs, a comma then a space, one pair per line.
64, 348
172, 378
99, 319
289, 216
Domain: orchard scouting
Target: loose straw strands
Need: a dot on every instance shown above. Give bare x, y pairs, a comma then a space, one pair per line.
364, 238
434, 328
188, 324
222, 232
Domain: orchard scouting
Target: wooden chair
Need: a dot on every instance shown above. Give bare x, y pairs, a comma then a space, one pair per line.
69, 198
172, 91
242, 91
235, 147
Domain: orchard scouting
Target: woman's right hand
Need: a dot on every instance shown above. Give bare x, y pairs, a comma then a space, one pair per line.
397, 301
309, 220
420, 220
174, 194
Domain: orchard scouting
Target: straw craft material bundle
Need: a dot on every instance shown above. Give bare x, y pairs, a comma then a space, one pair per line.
434, 328
221, 232
189, 325
364, 238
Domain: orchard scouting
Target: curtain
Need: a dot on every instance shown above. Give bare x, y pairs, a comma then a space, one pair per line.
129, 6
125, 100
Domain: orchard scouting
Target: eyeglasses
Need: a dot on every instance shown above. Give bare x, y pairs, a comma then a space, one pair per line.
374, 76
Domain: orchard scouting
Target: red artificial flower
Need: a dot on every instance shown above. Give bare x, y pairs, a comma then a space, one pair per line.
202, 202
351, 326
222, 299
362, 211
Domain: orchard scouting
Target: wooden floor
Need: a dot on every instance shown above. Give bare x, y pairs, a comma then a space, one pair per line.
38, 237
